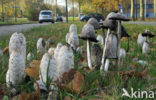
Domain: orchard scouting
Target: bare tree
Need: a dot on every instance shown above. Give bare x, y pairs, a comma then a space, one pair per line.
142, 9
132, 9
155, 8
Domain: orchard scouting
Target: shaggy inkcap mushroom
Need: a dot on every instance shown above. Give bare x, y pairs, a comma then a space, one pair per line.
72, 28
118, 16
88, 33
94, 22
148, 33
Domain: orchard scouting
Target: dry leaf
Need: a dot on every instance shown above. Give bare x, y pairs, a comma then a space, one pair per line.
33, 96
3, 91
77, 83
68, 98
72, 81
6, 50
33, 71
135, 36
134, 66
124, 39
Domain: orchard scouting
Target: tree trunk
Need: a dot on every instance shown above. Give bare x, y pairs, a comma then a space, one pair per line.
132, 9
56, 9
73, 9
142, 9
79, 7
66, 11
155, 8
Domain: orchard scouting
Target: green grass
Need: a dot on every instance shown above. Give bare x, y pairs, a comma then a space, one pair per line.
110, 85
11, 21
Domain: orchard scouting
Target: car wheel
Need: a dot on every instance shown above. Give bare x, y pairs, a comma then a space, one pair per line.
85, 20
40, 22
52, 22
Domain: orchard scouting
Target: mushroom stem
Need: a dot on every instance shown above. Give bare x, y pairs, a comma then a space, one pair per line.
107, 65
104, 51
103, 34
119, 35
88, 55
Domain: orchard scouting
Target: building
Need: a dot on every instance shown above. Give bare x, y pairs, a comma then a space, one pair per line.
148, 9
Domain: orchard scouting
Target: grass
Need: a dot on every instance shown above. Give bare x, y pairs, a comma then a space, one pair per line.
11, 21
108, 86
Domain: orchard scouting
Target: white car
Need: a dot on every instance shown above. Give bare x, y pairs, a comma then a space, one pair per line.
46, 16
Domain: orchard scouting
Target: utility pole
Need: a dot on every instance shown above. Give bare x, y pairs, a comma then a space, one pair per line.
73, 9
15, 12
136, 7
56, 8
2, 11
66, 11
145, 8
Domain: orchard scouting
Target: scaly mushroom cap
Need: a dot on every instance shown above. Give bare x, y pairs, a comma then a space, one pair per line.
111, 24
88, 33
124, 32
17, 43
72, 28
118, 16
94, 22
73, 40
148, 33
41, 46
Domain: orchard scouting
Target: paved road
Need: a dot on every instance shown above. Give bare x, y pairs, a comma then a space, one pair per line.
141, 23
18, 28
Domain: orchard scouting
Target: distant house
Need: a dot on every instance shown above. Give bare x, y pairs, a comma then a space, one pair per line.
148, 9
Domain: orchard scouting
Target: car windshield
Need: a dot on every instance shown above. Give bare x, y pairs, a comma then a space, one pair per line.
46, 13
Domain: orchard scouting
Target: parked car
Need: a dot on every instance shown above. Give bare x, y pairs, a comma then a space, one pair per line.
80, 16
97, 16
46, 16
59, 19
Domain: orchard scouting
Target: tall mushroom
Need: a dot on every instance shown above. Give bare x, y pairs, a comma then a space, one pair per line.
88, 33
94, 22
119, 17
17, 50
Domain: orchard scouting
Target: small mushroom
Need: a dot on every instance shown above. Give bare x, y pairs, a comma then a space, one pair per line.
88, 33
72, 28
41, 46
119, 17
146, 45
94, 22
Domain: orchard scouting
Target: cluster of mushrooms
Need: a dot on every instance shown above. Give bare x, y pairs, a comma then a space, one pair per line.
58, 60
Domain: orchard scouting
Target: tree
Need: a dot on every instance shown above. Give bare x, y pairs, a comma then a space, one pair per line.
155, 8
132, 9
142, 9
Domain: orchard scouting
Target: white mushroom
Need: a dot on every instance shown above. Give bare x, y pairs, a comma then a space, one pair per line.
100, 40
141, 40
56, 51
17, 50
122, 53
48, 67
146, 48
88, 33
51, 51
73, 40
29, 56
41, 46
73, 28
65, 60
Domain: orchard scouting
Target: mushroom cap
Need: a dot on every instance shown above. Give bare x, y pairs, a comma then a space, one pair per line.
124, 32
118, 16
110, 24
72, 28
88, 33
148, 33
94, 22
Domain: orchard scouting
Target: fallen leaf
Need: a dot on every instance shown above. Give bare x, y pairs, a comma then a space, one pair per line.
72, 81
68, 98
33, 71
3, 91
33, 96
135, 36
124, 39
6, 50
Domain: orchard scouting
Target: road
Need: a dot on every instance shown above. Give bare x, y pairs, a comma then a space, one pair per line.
24, 27
141, 23
4, 30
